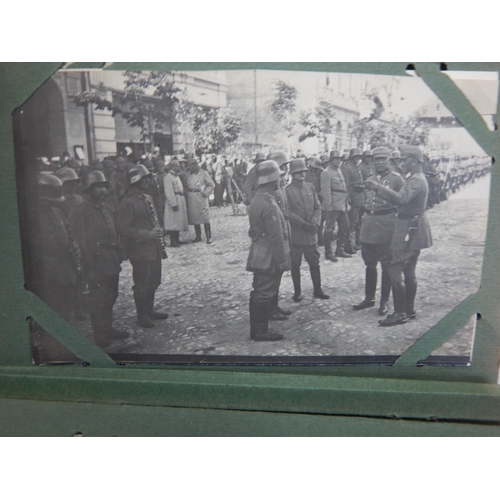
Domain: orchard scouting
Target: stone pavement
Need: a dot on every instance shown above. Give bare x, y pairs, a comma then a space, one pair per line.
206, 289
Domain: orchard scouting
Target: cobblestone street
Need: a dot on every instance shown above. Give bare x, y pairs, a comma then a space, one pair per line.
205, 290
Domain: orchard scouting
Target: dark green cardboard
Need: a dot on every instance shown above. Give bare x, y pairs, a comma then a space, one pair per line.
467, 396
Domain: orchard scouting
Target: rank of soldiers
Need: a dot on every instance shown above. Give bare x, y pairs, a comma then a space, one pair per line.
93, 217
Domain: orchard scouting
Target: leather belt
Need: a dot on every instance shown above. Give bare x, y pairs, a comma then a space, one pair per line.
383, 211
194, 190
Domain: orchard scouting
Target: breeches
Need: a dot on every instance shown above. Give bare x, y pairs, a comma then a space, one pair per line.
403, 262
265, 285
310, 253
336, 216
373, 253
146, 274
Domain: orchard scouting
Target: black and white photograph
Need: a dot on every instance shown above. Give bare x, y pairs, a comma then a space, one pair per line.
251, 216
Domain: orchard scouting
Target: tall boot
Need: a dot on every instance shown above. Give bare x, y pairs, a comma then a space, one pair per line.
152, 314
385, 292
140, 299
327, 240
259, 323
370, 288
411, 292
197, 230
208, 233
342, 252
297, 296
275, 311
316, 279
398, 317
174, 239
321, 241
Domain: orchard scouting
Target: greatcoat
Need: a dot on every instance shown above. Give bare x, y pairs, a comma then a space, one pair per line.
174, 197
198, 188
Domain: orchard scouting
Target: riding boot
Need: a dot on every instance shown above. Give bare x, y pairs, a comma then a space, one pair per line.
275, 311
259, 323
316, 279
197, 230
297, 296
398, 317
208, 233
152, 314
321, 241
370, 288
411, 292
174, 239
140, 299
385, 292
327, 240
341, 252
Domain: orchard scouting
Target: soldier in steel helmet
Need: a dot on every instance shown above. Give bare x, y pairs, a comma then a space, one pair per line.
277, 313
377, 230
313, 176
269, 253
334, 206
366, 166
395, 161
94, 226
356, 197
142, 237
411, 233
304, 210
250, 184
70, 181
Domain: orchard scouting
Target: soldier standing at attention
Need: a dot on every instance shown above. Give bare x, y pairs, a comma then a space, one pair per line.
377, 230
93, 225
334, 205
277, 313
313, 176
356, 197
411, 233
142, 235
269, 253
305, 217
250, 185
175, 218
199, 186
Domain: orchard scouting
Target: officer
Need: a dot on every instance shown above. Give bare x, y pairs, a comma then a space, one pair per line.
250, 185
334, 205
94, 227
70, 181
142, 235
356, 197
305, 217
269, 253
277, 313
411, 233
57, 262
377, 229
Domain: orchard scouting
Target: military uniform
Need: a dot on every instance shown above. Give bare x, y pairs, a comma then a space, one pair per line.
135, 224
356, 197
94, 227
334, 206
376, 233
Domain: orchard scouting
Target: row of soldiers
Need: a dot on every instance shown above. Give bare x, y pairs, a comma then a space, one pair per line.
378, 211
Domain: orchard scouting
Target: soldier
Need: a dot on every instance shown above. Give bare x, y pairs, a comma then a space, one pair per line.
94, 227
367, 164
70, 181
411, 234
313, 176
269, 253
57, 262
120, 176
305, 217
356, 197
277, 313
377, 229
334, 206
142, 235
250, 185
175, 218
395, 162
199, 186
155, 189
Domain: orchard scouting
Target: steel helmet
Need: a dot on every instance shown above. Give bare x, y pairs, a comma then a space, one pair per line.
280, 158
335, 154
297, 165
395, 154
354, 152
50, 187
67, 174
136, 173
267, 171
381, 151
315, 163
345, 156
259, 157
324, 159
367, 153
95, 177
412, 151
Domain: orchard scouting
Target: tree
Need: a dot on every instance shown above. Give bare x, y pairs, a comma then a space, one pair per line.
318, 123
283, 106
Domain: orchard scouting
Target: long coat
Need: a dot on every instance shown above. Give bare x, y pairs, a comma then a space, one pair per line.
303, 206
174, 197
199, 187
333, 191
270, 249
